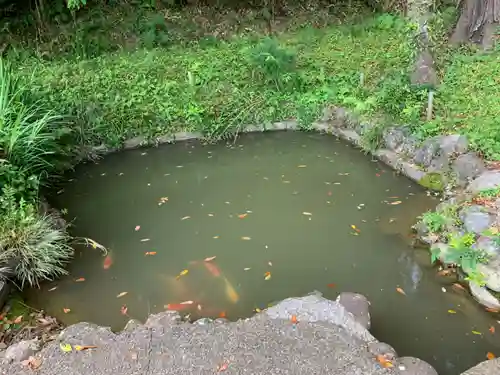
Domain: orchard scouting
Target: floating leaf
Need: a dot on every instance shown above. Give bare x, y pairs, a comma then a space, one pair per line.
458, 286
121, 294
145, 240
490, 355
307, 213
476, 332
150, 253
79, 280
452, 311
187, 303
209, 259
246, 238
52, 289
222, 314
137, 227
124, 310
401, 291
395, 203
65, 347
186, 217
66, 311
270, 264
492, 329
331, 285
257, 310
247, 269
242, 216
444, 272
267, 276
301, 166
492, 309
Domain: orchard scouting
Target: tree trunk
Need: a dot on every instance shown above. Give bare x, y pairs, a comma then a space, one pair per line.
477, 23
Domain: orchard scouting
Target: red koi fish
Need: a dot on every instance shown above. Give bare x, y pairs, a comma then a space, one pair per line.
177, 306
108, 261
212, 268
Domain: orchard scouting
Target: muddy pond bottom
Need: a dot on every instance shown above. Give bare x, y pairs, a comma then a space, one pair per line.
226, 230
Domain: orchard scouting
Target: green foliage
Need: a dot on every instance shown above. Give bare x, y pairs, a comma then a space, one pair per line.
33, 244
489, 193
433, 181
434, 221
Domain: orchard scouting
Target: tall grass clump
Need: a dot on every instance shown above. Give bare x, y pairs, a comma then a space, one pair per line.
33, 246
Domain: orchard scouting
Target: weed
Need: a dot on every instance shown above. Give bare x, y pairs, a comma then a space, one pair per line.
489, 193
434, 221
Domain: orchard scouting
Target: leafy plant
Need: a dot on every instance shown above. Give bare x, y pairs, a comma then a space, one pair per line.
434, 221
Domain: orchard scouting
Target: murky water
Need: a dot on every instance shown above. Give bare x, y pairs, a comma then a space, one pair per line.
305, 211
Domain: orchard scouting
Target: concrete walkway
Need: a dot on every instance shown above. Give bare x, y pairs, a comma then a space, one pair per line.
327, 339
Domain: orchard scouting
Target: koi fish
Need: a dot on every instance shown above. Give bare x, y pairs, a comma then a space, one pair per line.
212, 268
230, 292
108, 262
177, 306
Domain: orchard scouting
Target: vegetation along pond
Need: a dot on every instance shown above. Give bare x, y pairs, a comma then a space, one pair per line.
225, 230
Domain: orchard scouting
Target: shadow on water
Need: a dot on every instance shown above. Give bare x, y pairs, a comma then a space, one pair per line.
284, 214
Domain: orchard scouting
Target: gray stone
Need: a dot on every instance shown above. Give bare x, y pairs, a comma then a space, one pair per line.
357, 305
423, 71
253, 128
282, 125
467, 167
412, 171
186, 136
134, 142
487, 180
426, 152
394, 138
475, 219
483, 296
349, 135
491, 273
488, 245
132, 325
22, 350
491, 367
453, 144
322, 127
414, 366
381, 348
169, 138
389, 157
440, 163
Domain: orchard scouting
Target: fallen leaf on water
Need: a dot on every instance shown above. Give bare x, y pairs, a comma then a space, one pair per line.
476, 332
492, 329
222, 367
452, 311
79, 348
150, 253
222, 314
186, 217
307, 213
267, 275
209, 259
257, 310
270, 263
354, 227
247, 269
331, 285
145, 240
301, 166
137, 227
294, 319
399, 290
215, 237
52, 289
183, 272
32, 362
121, 294
187, 303
65, 347
198, 307
124, 310
18, 320
395, 203
490, 355
65, 310
246, 238
242, 216
384, 362
458, 286
80, 280
444, 272
492, 309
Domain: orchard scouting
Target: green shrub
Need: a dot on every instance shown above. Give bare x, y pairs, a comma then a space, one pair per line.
32, 244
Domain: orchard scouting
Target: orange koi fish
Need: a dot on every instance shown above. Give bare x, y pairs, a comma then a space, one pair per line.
177, 306
108, 262
212, 268
230, 292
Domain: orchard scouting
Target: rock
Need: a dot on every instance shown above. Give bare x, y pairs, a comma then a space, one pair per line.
491, 273
357, 305
389, 157
412, 171
283, 125
203, 321
453, 144
349, 135
381, 348
134, 142
467, 167
22, 350
414, 366
132, 325
423, 71
426, 152
186, 136
164, 139
488, 245
322, 127
165, 319
483, 296
440, 163
491, 367
393, 138
487, 180
253, 128
475, 219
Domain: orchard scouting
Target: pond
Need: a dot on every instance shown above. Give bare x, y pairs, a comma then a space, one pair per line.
281, 214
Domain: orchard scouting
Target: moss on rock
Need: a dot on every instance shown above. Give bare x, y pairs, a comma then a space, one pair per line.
434, 181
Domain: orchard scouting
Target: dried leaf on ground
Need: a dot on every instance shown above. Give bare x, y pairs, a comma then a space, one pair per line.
65, 347
79, 348
121, 294
18, 320
401, 291
293, 319
32, 362
384, 362
222, 367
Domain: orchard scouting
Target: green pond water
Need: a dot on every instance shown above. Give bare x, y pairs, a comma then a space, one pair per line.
305, 210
